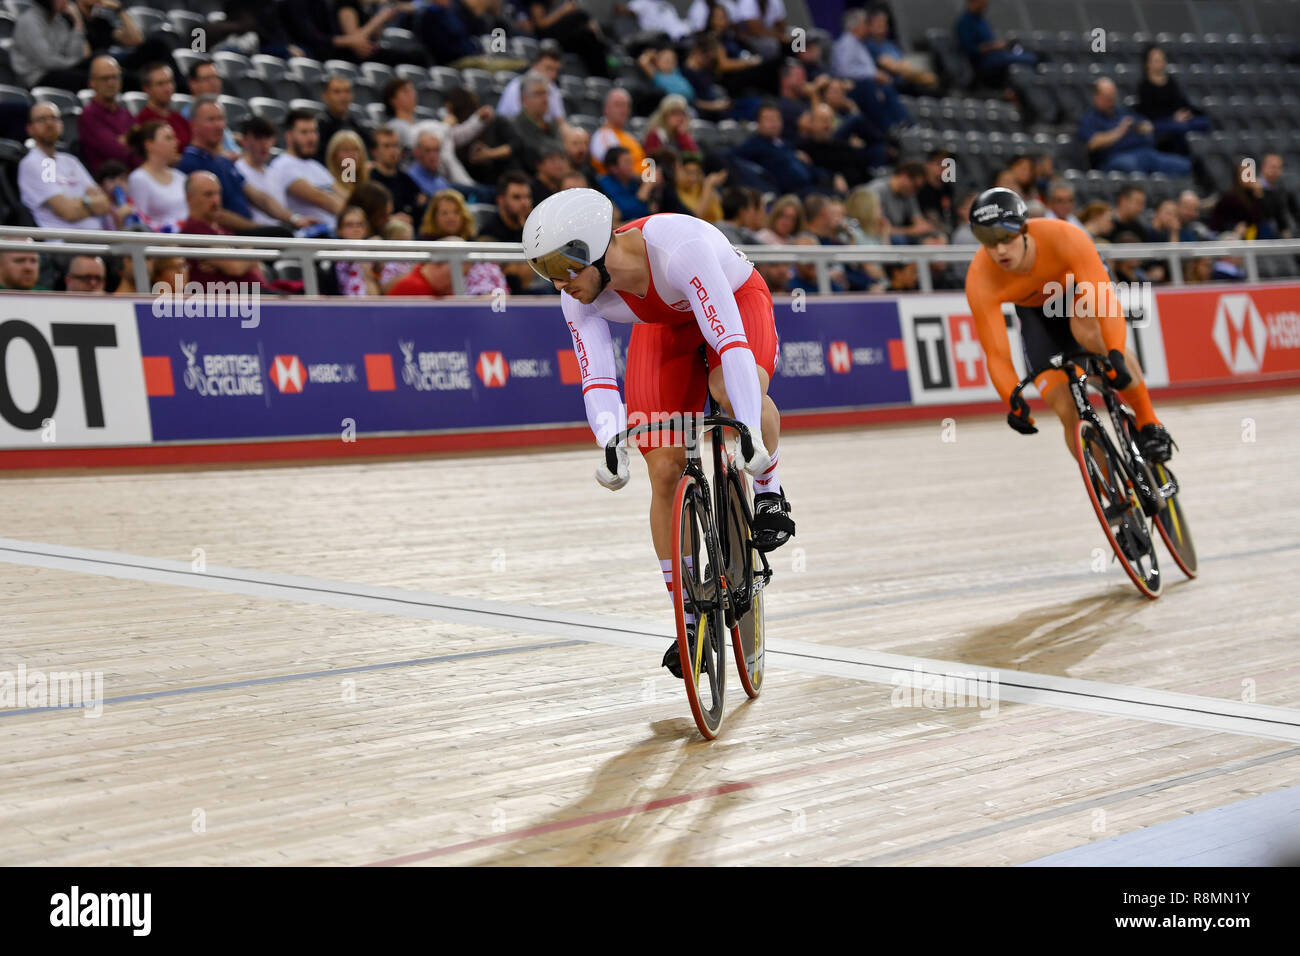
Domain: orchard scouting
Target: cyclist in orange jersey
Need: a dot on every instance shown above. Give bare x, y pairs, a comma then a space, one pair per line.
1065, 301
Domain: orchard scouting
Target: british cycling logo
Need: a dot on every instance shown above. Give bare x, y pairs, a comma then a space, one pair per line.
221, 375
434, 371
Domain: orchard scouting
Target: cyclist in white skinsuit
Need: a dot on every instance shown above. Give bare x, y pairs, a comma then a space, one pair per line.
682, 285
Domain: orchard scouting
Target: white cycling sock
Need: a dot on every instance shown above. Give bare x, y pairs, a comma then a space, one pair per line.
768, 481
666, 566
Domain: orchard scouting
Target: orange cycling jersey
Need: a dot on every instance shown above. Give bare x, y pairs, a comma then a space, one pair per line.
1066, 261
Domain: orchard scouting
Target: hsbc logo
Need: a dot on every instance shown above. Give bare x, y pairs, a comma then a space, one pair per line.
839, 356
1240, 333
492, 369
288, 374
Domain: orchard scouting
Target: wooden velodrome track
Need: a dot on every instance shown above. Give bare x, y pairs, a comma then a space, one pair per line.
455, 660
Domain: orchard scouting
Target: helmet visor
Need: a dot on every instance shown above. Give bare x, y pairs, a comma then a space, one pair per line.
994, 233
563, 263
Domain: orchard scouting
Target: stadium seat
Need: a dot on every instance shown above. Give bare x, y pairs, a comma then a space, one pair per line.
441, 78
482, 213
184, 23
237, 110
231, 65
316, 106
134, 101
272, 110
181, 102
186, 58
148, 19
340, 66
525, 48
478, 82
65, 101
306, 70
377, 74
376, 114
272, 69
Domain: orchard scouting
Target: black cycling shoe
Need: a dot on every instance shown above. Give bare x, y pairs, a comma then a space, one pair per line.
772, 524
672, 657
1157, 447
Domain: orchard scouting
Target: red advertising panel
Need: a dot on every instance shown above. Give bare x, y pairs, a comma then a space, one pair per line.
1231, 334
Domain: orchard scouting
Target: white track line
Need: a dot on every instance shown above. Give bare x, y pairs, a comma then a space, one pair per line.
1112, 700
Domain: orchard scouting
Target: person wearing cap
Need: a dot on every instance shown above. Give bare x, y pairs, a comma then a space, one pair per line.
684, 288
1051, 271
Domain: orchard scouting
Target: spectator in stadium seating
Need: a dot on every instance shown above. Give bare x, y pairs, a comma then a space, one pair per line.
369, 277
662, 172
577, 147
1161, 100
1098, 220
400, 100
889, 58
1130, 202
777, 275
1120, 140
873, 89
1165, 224
944, 276
461, 131
670, 125
347, 162
789, 169
433, 278
710, 101
575, 180
316, 28
627, 189
1126, 270
988, 55
50, 47
337, 97
902, 277
1044, 172
156, 188
547, 62
897, 192
793, 98
660, 16
963, 235
660, 67
738, 63
111, 178
377, 203
254, 164
1199, 269
805, 273
166, 273
514, 199
104, 121
936, 195
759, 24
203, 191
384, 169
784, 221
1280, 209
448, 215
742, 215
86, 274
1025, 176
1060, 202
1228, 268
866, 226
849, 164
159, 84
1191, 228
534, 133
489, 152
111, 29
426, 164
551, 170
204, 80
618, 108
309, 187
238, 196
363, 22
55, 187
575, 30
1240, 209
697, 191
20, 271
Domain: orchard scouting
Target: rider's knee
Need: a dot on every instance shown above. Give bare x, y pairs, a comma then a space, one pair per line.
665, 467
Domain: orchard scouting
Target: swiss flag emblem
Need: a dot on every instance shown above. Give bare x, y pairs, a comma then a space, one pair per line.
967, 353
492, 369
287, 374
840, 357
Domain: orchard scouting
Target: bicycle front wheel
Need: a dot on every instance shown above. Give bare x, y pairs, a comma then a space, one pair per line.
1116, 503
697, 592
746, 608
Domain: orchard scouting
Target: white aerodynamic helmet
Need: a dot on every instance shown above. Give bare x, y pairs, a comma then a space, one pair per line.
567, 232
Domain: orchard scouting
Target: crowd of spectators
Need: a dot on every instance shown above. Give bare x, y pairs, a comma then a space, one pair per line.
821, 162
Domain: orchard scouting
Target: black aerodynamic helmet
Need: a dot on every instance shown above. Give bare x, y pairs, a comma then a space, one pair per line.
998, 215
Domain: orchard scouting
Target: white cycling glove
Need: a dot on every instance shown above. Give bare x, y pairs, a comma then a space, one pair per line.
759, 462
614, 481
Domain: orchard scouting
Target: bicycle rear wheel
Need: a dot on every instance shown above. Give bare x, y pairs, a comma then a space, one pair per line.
696, 590
747, 613
1172, 523
1118, 509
